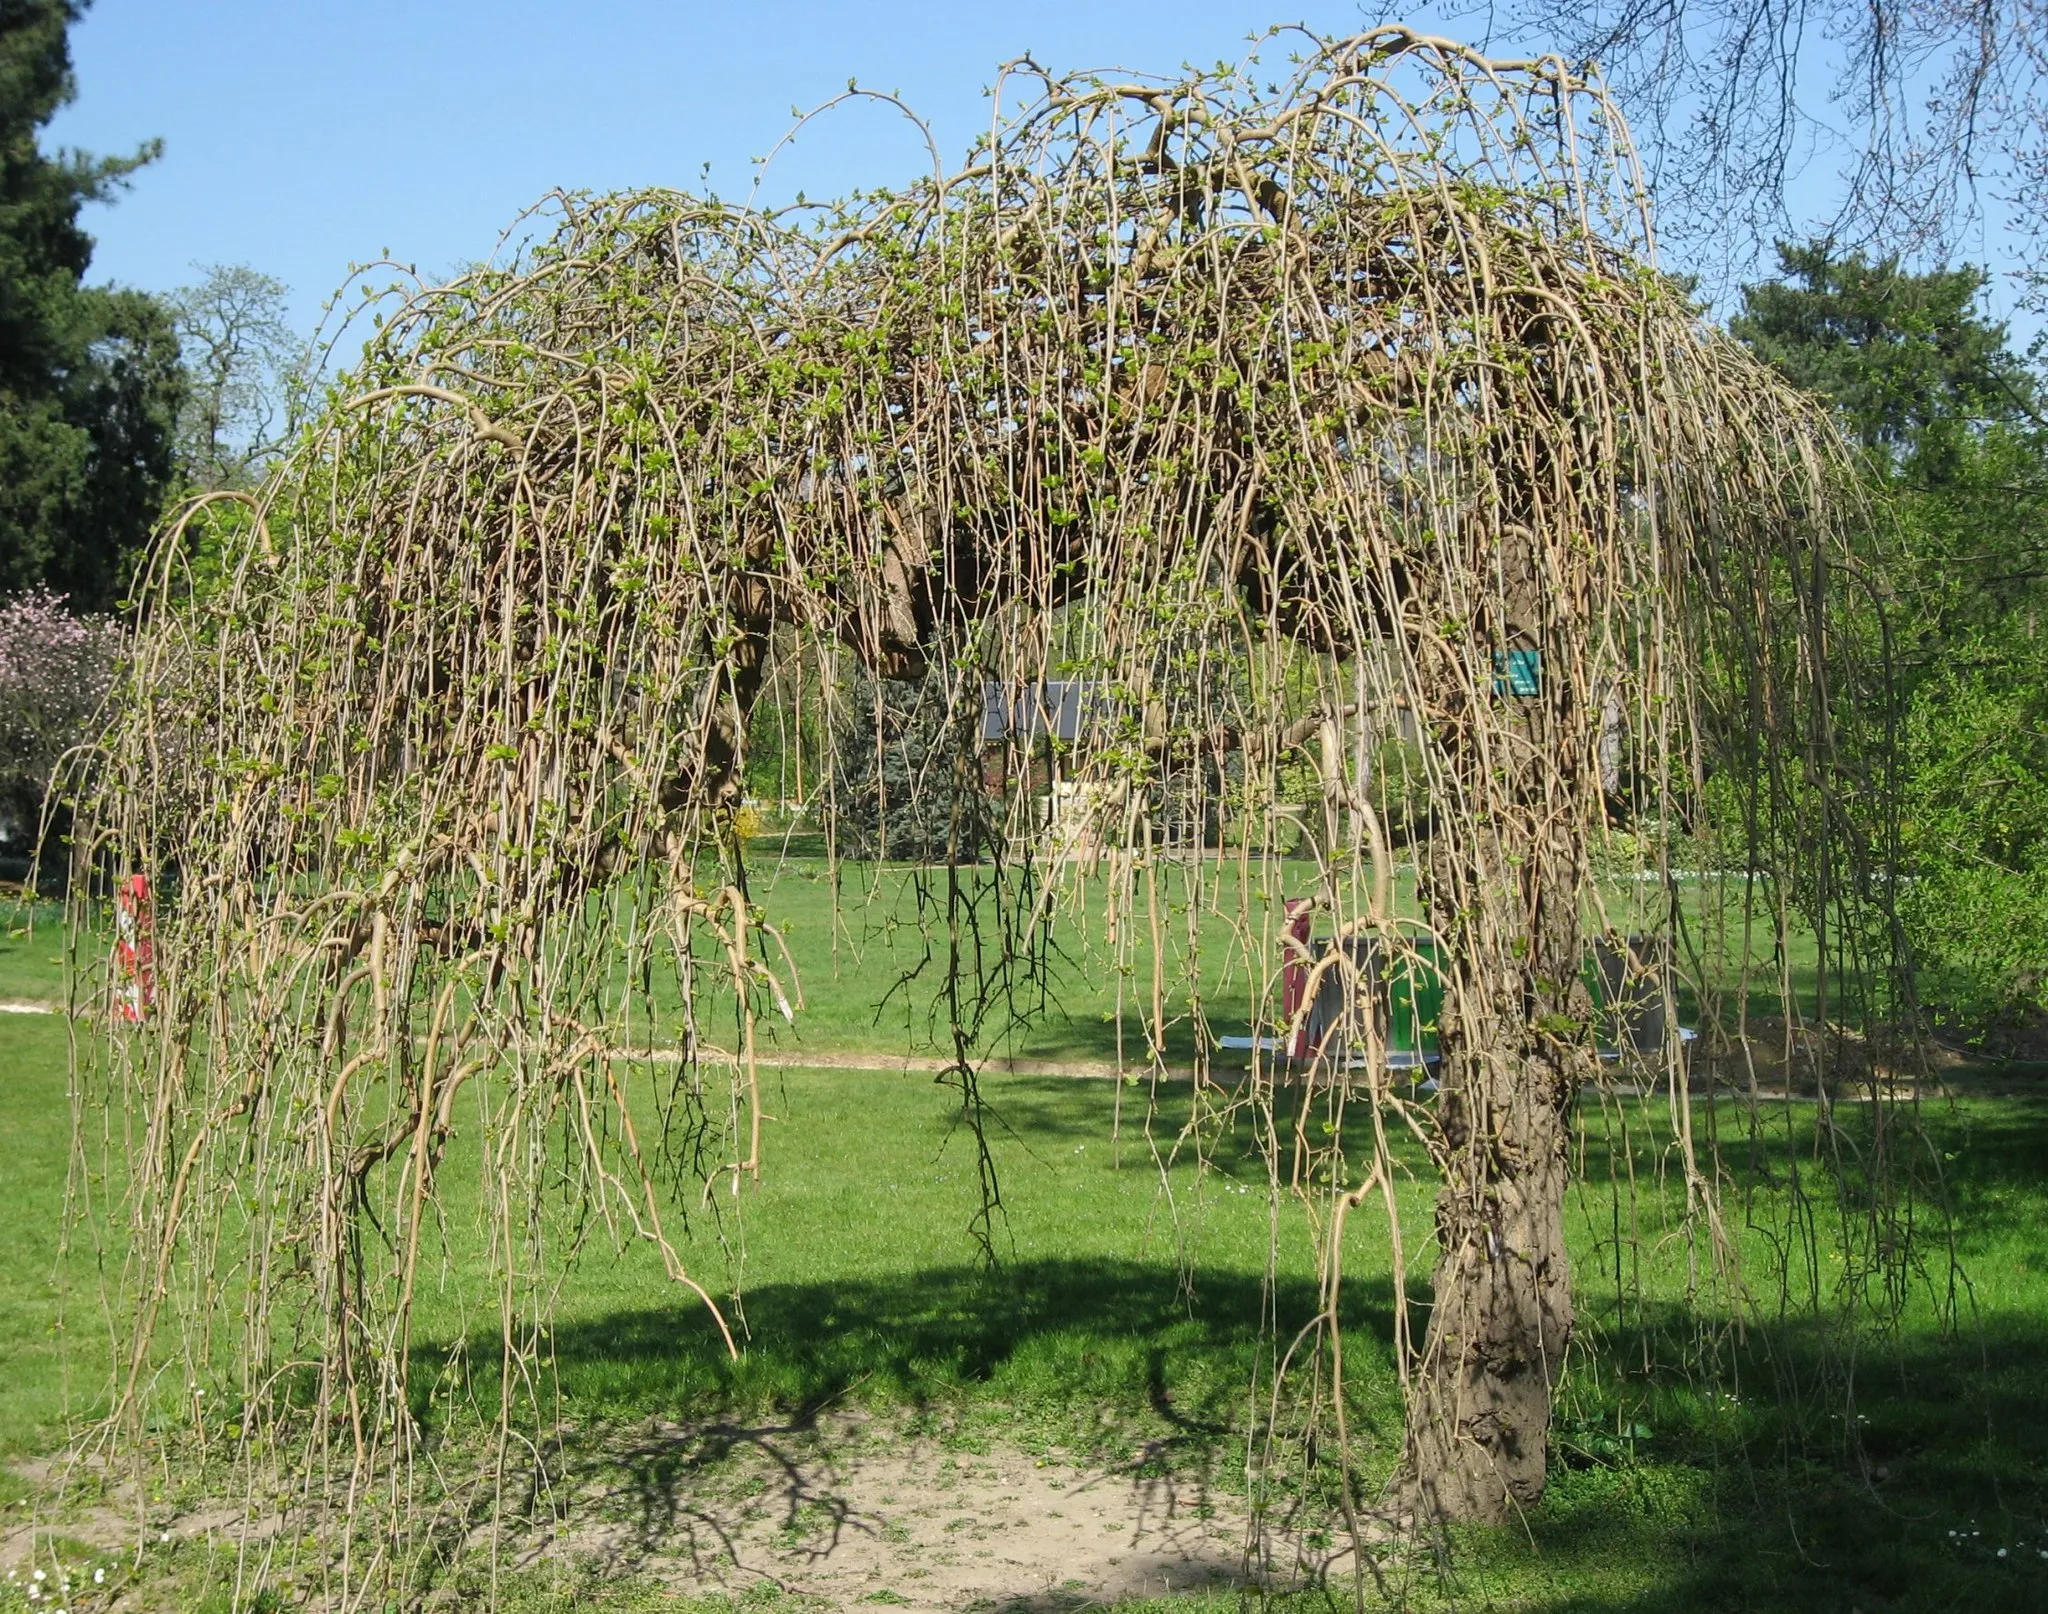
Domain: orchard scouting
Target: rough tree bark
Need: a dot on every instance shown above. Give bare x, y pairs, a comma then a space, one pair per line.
1502, 1319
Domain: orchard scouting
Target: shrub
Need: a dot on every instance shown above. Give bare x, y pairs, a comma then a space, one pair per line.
1974, 833
55, 669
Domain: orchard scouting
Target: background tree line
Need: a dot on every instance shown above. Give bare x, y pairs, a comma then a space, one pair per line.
1950, 423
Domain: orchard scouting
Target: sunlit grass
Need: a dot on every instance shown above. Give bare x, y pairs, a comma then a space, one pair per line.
1696, 1467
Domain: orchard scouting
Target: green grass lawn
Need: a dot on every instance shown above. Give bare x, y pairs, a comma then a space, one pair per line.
1128, 1302
35, 1121
35, 1124
31, 953
870, 955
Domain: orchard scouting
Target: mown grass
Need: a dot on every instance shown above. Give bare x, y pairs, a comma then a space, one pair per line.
32, 952
35, 1140
870, 946
1128, 1303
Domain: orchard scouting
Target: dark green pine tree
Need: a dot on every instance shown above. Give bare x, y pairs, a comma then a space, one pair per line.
1912, 368
90, 382
907, 782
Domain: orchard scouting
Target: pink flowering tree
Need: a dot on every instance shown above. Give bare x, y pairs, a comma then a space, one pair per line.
55, 669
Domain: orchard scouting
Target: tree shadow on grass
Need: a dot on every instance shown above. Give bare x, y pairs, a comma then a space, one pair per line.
1796, 1471
1794, 1467
1040, 1338
1795, 1497
776, 1462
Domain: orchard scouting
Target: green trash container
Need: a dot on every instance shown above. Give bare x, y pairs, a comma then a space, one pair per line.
1410, 990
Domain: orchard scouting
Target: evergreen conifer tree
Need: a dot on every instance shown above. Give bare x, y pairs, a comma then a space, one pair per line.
90, 382
908, 774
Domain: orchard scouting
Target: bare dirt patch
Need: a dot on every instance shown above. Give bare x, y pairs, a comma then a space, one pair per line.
860, 1512
848, 1511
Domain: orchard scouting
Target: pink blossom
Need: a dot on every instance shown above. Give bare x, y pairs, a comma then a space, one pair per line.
55, 669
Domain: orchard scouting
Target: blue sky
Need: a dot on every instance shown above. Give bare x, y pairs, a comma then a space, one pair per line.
303, 135
300, 136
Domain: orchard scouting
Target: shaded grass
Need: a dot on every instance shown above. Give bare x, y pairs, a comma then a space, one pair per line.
1124, 1284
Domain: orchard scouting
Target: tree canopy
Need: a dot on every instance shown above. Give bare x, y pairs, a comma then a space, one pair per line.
1930, 109
1905, 358
242, 365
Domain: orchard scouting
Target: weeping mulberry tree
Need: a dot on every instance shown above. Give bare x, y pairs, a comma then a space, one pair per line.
1289, 417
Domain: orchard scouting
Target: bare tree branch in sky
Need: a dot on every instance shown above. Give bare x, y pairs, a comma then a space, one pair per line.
242, 361
1931, 112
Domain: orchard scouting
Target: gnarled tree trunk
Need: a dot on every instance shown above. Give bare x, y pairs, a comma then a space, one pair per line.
1478, 1418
